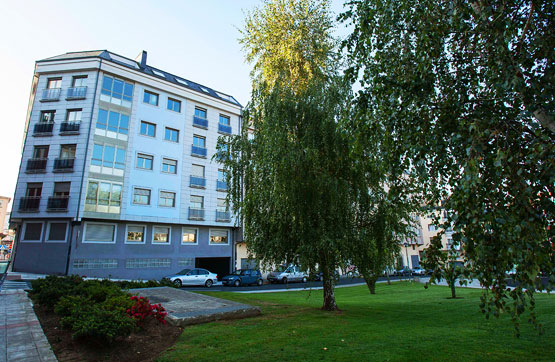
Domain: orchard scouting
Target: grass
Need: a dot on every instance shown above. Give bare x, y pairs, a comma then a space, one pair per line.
402, 322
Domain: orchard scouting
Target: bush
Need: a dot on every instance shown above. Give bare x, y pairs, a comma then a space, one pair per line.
142, 309
137, 284
48, 291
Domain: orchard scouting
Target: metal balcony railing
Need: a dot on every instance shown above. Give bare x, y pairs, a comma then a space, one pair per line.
223, 128
198, 181
51, 94
200, 122
63, 164
76, 93
221, 186
70, 127
29, 203
36, 164
223, 216
196, 214
57, 203
44, 128
198, 151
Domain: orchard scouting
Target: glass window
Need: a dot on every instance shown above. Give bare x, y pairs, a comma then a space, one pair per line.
150, 98
116, 91
67, 151
189, 236
431, 227
47, 116
197, 171
100, 233
74, 115
54, 83
174, 105
224, 120
169, 166
33, 231
199, 112
199, 141
57, 231
219, 237
34, 189
61, 189
135, 234
141, 196
166, 199
161, 234
222, 205
40, 152
197, 202
144, 161
148, 129
104, 194
79, 81
171, 135
221, 175
112, 121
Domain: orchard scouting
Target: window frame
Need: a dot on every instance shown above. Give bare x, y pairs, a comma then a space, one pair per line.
175, 101
218, 244
183, 228
87, 223
46, 240
159, 242
140, 155
148, 124
223, 116
151, 93
166, 129
196, 136
149, 196
74, 111
202, 110
76, 77
24, 230
106, 126
135, 242
169, 192
53, 79
162, 166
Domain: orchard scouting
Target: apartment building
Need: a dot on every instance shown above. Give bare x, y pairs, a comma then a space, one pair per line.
119, 174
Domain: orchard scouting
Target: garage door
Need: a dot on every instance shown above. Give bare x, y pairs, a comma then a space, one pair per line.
220, 266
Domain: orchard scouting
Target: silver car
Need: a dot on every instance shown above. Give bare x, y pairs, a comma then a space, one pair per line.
286, 274
196, 276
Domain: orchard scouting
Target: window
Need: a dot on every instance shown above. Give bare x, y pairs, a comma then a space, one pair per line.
74, 115
222, 205
34, 189
219, 237
161, 235
79, 81
144, 161
135, 234
197, 171
67, 151
61, 189
169, 166
221, 183
100, 233
107, 157
148, 129
33, 231
200, 113
150, 98
189, 236
40, 152
57, 231
54, 83
141, 196
199, 141
221, 175
224, 120
431, 227
47, 116
171, 135
174, 105
112, 121
116, 91
197, 202
103, 197
166, 199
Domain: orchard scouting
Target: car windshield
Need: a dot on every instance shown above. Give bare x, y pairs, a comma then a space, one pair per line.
184, 271
237, 272
281, 268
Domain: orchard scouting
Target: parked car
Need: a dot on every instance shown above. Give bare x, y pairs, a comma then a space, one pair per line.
318, 276
286, 274
196, 276
243, 277
352, 271
403, 272
418, 271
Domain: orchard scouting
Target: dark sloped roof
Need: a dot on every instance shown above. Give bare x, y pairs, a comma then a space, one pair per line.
147, 69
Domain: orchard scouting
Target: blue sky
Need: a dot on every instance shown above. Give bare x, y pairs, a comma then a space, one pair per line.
193, 39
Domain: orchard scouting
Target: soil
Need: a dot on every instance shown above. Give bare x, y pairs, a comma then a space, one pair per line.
145, 345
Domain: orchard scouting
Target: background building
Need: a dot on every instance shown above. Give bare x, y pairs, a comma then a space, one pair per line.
119, 174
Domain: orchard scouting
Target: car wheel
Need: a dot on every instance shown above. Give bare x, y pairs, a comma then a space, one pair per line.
259, 282
284, 280
350, 274
305, 280
178, 283
208, 283
237, 283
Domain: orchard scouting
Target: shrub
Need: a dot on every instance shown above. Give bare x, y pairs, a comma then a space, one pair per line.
48, 291
142, 309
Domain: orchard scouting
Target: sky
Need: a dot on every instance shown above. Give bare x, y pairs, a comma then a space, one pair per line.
193, 39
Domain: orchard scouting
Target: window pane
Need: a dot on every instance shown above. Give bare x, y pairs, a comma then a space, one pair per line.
118, 88
135, 233
113, 121
116, 195
104, 194
124, 124
33, 231
97, 155
92, 191
107, 83
57, 231
120, 159
189, 236
102, 119
197, 170
100, 232
109, 156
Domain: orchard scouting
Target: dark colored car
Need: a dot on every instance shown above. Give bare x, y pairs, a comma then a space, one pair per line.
404, 272
243, 277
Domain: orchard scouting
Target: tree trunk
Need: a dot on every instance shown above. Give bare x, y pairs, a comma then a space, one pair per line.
329, 284
453, 295
388, 280
371, 282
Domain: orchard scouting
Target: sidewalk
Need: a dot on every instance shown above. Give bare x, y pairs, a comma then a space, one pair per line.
21, 336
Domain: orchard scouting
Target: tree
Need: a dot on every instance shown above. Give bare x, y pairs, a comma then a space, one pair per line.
443, 263
469, 88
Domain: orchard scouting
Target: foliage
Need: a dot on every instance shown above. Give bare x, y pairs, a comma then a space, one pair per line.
443, 264
142, 309
48, 291
138, 284
467, 87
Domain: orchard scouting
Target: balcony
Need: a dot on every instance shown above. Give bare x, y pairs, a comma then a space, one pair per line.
221, 185
36, 165
67, 128
43, 129
223, 216
75, 93
29, 203
200, 122
57, 203
224, 128
199, 182
63, 164
198, 151
196, 214
51, 95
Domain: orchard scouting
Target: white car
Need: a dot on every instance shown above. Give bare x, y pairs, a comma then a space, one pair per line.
286, 274
196, 276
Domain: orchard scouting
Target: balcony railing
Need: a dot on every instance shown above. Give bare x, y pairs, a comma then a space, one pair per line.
76, 93
57, 203
200, 122
44, 128
221, 186
223, 216
51, 94
63, 164
70, 127
198, 151
36, 165
198, 181
29, 203
196, 214
223, 128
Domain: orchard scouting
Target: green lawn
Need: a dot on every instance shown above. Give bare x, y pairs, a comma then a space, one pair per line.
401, 322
